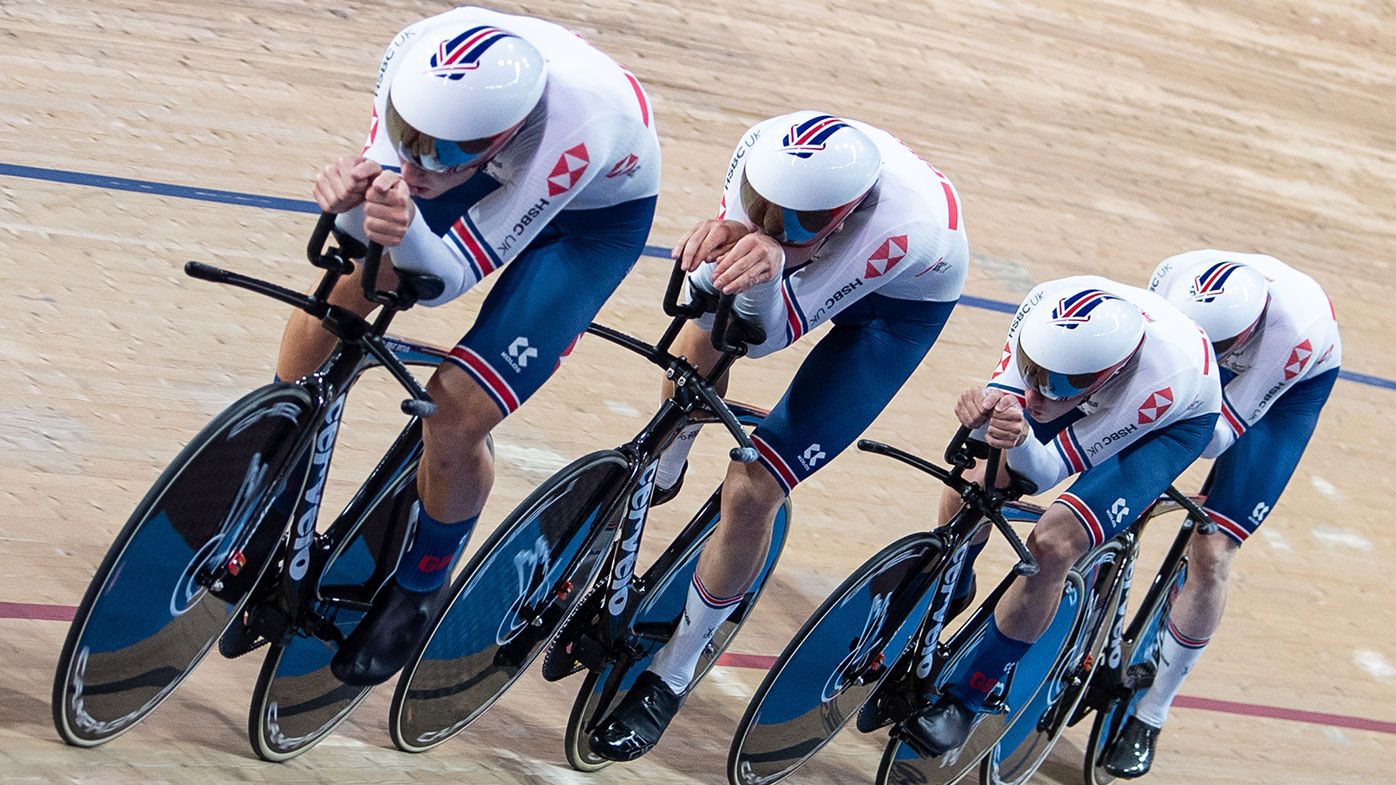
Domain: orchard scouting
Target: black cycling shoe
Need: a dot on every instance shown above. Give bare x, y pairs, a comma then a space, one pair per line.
1133, 751
662, 495
637, 723
388, 634
943, 726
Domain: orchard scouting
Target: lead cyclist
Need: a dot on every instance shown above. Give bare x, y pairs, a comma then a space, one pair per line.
497, 143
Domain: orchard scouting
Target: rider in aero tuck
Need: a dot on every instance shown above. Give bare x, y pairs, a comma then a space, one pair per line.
1276, 338
823, 219
1097, 379
502, 143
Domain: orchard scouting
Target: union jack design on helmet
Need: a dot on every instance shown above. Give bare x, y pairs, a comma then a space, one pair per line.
1212, 281
807, 138
1075, 310
458, 55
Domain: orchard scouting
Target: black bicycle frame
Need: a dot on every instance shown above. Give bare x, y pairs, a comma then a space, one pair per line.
361, 345
694, 400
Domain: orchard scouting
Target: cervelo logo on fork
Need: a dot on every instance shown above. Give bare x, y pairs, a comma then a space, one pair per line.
305, 524
625, 565
942, 603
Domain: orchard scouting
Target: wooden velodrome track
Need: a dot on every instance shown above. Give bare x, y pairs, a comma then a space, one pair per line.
1083, 136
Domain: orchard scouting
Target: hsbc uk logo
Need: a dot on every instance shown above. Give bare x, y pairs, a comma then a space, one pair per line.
1298, 358
519, 353
811, 457
1003, 361
625, 167
887, 255
1156, 405
568, 170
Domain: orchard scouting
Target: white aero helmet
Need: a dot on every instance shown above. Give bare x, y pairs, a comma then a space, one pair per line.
460, 93
814, 169
1226, 299
1069, 347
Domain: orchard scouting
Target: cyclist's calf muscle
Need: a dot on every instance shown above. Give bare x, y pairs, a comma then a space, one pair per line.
1197, 610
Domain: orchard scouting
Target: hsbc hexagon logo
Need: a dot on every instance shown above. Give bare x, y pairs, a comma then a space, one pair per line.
568, 170
892, 251
1157, 404
1298, 358
1003, 361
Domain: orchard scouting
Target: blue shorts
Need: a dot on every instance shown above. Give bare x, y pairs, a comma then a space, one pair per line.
1110, 496
1249, 477
846, 381
545, 298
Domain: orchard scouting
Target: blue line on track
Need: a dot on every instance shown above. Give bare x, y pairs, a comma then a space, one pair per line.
306, 206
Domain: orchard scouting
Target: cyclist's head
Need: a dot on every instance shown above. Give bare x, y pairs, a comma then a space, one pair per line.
1070, 347
460, 94
805, 174
1226, 299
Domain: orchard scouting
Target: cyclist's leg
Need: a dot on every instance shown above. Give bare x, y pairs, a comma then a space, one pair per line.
873, 348
1103, 501
1247, 482
530, 320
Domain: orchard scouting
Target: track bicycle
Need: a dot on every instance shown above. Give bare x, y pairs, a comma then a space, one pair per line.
561, 568
1098, 664
224, 547
875, 645
1127, 669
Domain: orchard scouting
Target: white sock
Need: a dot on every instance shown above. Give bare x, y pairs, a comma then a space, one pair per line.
702, 615
671, 461
1177, 654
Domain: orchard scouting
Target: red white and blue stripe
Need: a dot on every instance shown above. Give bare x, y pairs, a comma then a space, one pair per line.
712, 601
1227, 526
1183, 640
1069, 448
1233, 420
794, 317
1212, 281
1076, 310
776, 465
808, 138
461, 54
488, 378
1094, 531
479, 256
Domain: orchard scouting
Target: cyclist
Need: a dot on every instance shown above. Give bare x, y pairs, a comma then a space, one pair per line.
1276, 338
496, 141
823, 219
1098, 379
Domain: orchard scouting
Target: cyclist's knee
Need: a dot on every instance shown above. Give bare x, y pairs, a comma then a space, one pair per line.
750, 496
465, 413
1057, 541
1209, 559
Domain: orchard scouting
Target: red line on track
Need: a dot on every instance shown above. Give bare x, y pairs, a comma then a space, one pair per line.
31, 610
45, 612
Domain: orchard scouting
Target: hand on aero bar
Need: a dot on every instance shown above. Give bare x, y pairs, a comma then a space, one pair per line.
999, 410
706, 241
388, 210
341, 185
